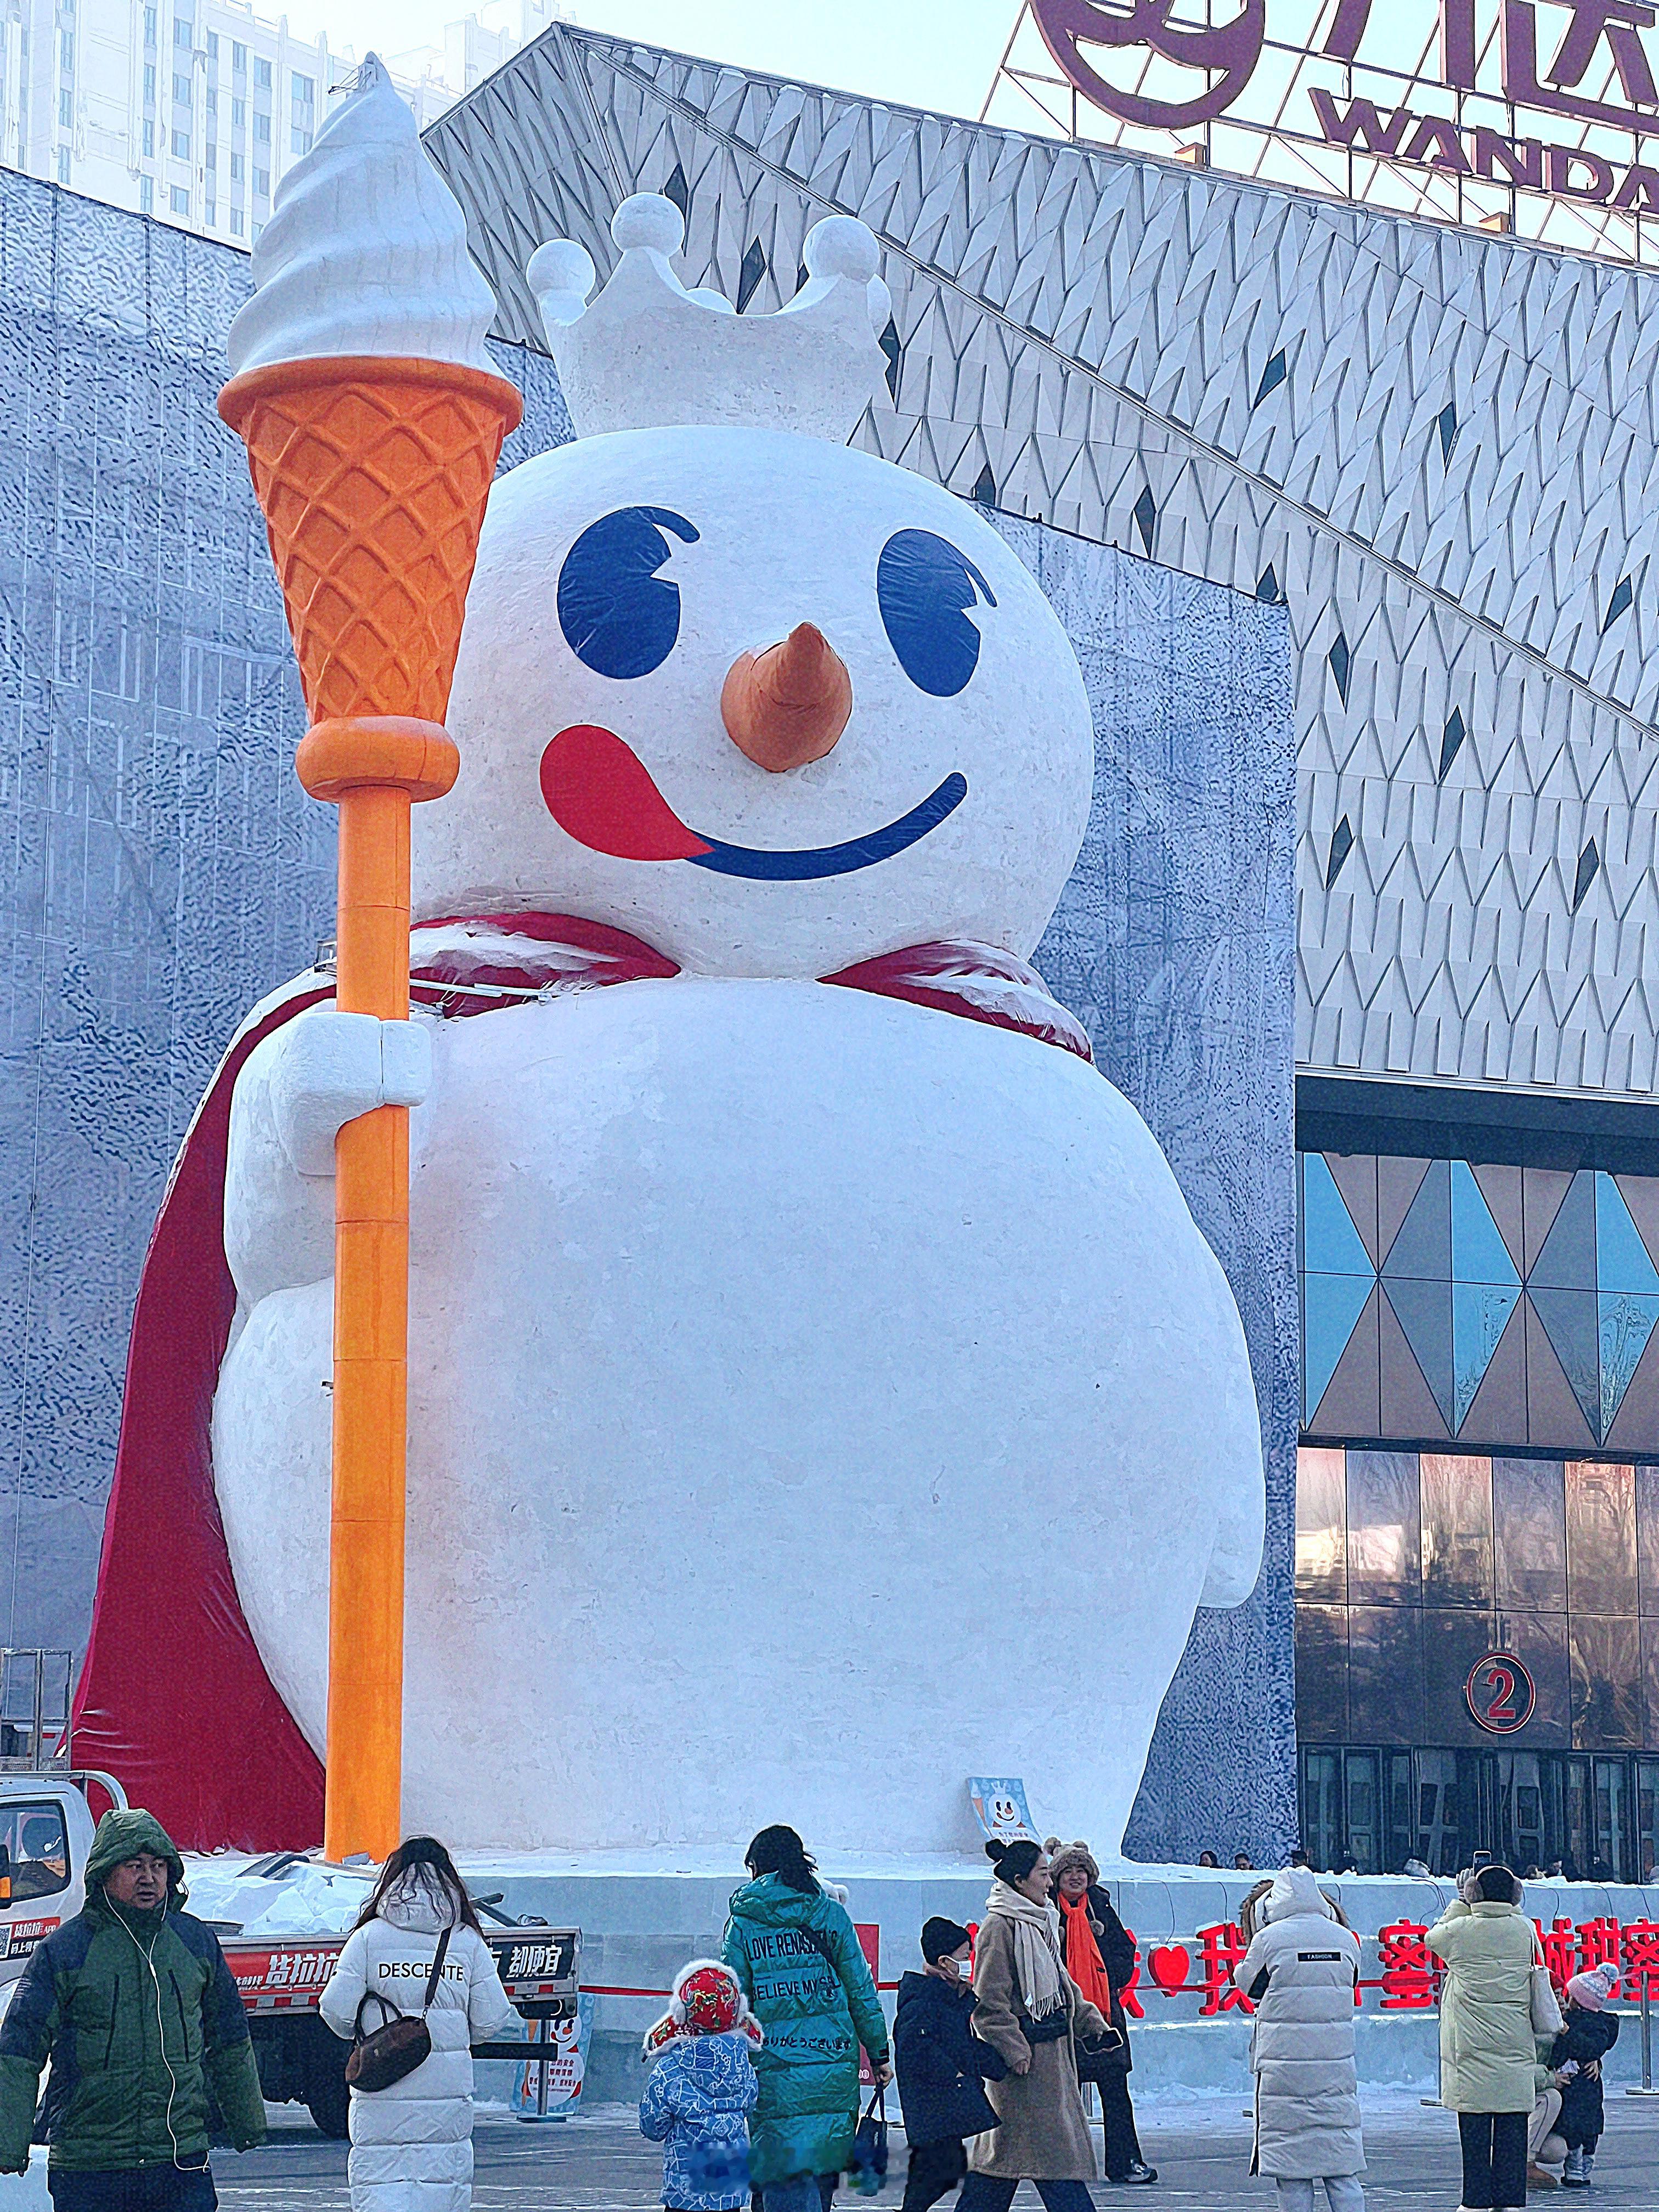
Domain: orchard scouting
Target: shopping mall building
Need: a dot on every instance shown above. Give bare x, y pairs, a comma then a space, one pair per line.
1434, 445
1342, 437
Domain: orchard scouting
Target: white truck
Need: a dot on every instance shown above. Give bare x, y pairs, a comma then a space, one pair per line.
46, 1824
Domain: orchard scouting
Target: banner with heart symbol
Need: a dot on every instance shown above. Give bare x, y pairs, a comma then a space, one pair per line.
1169, 1964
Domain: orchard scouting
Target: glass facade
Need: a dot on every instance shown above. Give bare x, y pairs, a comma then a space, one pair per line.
1479, 1475
1411, 1566
1372, 1808
1487, 1302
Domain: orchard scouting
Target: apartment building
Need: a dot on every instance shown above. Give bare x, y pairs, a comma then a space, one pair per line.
192, 110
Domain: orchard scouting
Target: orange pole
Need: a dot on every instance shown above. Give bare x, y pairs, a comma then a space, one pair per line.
374, 474
375, 767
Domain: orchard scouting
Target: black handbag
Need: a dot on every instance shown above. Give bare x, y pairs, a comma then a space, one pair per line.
868, 2167
1101, 2061
386, 2054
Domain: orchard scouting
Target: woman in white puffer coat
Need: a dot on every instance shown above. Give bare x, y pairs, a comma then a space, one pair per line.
411, 2144
1301, 1970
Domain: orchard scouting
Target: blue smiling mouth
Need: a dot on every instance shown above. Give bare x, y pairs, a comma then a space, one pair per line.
601, 793
804, 867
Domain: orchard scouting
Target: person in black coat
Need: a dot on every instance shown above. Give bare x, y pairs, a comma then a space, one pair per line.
1589, 2033
1075, 1877
941, 2063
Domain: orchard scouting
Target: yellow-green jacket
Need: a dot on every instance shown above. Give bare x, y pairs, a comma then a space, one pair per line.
1488, 2054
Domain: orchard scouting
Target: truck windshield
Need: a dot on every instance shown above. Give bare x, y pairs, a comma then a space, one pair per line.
34, 1834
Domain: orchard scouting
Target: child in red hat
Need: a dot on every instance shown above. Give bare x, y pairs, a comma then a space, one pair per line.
701, 2090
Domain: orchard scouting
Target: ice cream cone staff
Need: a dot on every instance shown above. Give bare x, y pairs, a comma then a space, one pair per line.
766, 1209
374, 420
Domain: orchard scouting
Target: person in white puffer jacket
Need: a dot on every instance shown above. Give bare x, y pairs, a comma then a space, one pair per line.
1301, 1970
411, 2144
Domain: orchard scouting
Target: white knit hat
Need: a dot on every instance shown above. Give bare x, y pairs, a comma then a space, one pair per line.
1596, 1989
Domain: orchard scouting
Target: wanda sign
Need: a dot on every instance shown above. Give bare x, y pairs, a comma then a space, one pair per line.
1590, 62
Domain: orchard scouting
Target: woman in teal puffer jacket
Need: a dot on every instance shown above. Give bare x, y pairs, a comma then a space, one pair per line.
796, 1956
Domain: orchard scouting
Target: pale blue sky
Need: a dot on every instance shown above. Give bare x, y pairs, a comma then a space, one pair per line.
926, 53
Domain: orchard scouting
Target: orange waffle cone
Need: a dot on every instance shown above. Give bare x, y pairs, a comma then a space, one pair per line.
373, 475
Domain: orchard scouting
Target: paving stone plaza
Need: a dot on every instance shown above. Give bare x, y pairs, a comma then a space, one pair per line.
1202, 2150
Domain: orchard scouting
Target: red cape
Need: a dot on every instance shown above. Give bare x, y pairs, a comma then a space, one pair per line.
174, 1699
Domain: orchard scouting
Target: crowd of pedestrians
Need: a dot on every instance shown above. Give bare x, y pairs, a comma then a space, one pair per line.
994, 2040
997, 2036
754, 2082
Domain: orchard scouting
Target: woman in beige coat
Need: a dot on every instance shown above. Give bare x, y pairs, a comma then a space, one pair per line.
1032, 2012
1488, 2053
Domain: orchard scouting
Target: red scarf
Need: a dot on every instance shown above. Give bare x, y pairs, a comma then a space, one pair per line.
1083, 1960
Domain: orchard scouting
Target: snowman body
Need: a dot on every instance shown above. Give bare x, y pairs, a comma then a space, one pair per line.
815, 1398
806, 1388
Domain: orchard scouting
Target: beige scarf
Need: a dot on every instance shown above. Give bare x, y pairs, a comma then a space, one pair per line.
1037, 1948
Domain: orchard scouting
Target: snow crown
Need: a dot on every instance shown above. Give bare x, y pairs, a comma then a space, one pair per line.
649, 354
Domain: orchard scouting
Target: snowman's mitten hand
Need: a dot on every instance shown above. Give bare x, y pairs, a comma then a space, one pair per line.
331, 1068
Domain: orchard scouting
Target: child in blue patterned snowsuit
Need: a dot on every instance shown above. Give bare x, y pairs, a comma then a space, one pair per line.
701, 2091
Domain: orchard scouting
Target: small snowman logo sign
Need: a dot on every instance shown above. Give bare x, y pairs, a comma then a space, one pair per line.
1002, 1809
803, 1332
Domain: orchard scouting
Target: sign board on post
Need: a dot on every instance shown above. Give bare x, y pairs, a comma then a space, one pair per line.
1540, 116
564, 2073
999, 1807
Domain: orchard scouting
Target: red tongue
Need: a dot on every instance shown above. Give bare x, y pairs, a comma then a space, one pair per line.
601, 793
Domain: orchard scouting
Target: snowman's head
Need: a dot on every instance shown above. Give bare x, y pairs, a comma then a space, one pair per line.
770, 704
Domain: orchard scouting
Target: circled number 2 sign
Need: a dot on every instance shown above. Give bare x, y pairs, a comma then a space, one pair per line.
1501, 1693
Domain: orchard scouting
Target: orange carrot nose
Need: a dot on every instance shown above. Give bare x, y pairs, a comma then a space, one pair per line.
789, 704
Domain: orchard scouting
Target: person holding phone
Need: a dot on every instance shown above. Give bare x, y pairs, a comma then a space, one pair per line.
1488, 2050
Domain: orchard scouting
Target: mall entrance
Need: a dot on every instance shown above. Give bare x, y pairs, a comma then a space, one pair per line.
1367, 1811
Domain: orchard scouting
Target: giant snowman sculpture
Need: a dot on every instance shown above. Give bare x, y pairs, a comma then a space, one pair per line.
820, 1391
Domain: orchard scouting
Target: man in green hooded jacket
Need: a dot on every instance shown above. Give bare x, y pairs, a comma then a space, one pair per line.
134, 2005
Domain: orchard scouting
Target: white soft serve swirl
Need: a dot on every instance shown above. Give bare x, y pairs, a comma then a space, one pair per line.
366, 250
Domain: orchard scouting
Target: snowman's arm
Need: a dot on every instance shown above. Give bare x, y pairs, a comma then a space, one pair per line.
329, 1068
297, 1091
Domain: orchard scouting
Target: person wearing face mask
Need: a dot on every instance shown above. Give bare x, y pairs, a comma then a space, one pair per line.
1032, 2012
941, 2065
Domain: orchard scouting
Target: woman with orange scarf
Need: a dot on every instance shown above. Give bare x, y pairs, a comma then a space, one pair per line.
1100, 1957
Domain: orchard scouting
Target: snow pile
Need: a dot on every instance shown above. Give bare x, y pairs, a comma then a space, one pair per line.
26, 2192
303, 1900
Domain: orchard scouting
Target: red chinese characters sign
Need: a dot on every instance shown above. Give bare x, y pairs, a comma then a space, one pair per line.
1521, 94
1407, 1976
1173, 1971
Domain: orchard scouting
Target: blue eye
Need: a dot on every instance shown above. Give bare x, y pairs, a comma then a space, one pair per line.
619, 618
925, 588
